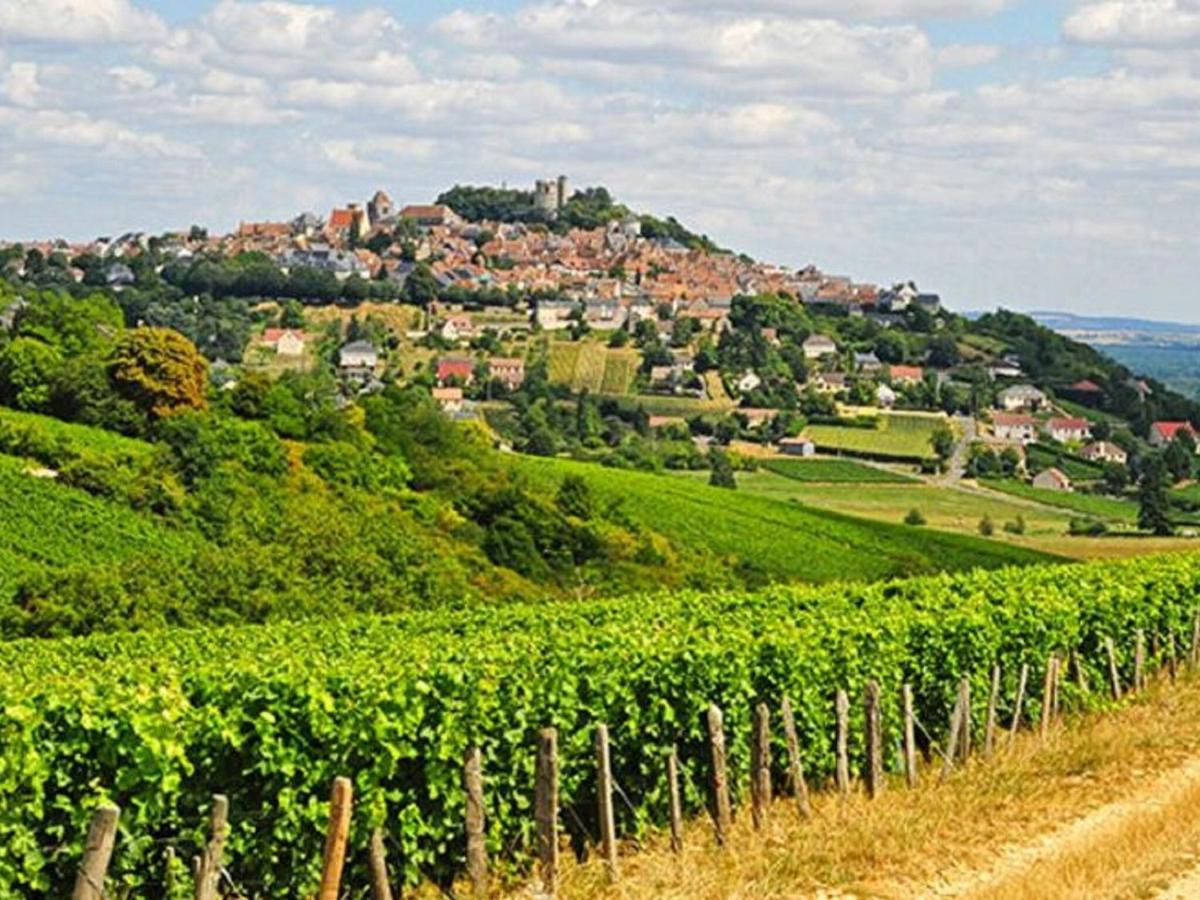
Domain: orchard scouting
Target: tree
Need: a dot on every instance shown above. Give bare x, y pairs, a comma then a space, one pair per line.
27, 368
160, 371
575, 498
291, 315
722, 470
421, 287
1153, 503
1180, 457
943, 442
1116, 478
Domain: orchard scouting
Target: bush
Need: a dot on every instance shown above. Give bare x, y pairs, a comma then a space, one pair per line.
1017, 526
986, 527
914, 518
1087, 527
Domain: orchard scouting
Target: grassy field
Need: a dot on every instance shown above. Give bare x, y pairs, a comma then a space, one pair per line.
896, 437
1109, 509
620, 368
781, 539
1045, 456
666, 405
833, 471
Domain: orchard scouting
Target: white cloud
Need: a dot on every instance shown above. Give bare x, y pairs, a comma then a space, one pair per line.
855, 11
133, 79
965, 55
1133, 22
80, 131
19, 84
78, 21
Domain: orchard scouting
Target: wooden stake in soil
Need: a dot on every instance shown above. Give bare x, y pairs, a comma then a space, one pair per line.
1048, 694
545, 809
722, 808
952, 740
381, 888
1172, 660
760, 766
1019, 702
676, 806
989, 726
910, 736
1081, 680
1139, 661
1195, 654
93, 870
476, 822
842, 708
795, 765
209, 870
964, 696
336, 835
604, 796
873, 722
1114, 678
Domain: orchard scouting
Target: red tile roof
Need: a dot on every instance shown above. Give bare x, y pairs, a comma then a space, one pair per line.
1068, 424
1168, 430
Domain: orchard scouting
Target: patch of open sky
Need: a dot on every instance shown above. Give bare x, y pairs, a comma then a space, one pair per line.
410, 12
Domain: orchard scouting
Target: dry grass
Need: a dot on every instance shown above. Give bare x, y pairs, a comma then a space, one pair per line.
948, 839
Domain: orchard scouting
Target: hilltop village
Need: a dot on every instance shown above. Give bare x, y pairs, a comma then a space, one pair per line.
567, 323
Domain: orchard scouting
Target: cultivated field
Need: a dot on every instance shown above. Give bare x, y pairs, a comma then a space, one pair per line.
897, 437
833, 471
590, 366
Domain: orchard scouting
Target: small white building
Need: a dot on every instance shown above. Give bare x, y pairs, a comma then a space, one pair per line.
1052, 480
1068, 431
797, 446
885, 396
1015, 428
1104, 451
358, 360
818, 346
1021, 397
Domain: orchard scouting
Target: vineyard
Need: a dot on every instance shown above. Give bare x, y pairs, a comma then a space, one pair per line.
834, 471
897, 437
269, 715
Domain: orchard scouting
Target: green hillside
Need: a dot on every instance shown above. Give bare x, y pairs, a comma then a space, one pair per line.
780, 540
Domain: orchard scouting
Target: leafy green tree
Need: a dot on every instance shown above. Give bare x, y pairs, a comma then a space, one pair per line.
27, 369
1180, 457
1153, 503
943, 442
160, 371
291, 315
575, 498
421, 287
721, 470
73, 325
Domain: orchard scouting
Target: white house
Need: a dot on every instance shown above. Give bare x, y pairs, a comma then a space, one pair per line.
748, 382
1014, 427
1021, 397
819, 345
358, 360
1067, 431
1104, 451
286, 341
1052, 480
1162, 433
797, 446
885, 396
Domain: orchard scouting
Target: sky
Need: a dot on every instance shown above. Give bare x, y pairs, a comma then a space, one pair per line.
1035, 155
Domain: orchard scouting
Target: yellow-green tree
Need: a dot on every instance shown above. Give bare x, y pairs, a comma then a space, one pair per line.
160, 370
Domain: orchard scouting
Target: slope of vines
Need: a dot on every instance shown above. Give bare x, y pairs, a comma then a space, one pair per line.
270, 714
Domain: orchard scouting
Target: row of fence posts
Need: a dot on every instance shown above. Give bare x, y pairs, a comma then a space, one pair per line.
208, 868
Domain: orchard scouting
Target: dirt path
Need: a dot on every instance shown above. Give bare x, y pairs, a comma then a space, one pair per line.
1080, 850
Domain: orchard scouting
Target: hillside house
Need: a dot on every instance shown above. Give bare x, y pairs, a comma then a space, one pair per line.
1052, 480
1086, 389
797, 446
286, 341
1162, 433
458, 327
510, 371
450, 399
749, 381
1021, 397
455, 370
818, 346
554, 315
1015, 428
1067, 431
357, 361
867, 364
1104, 452
431, 215
906, 374
885, 396
830, 382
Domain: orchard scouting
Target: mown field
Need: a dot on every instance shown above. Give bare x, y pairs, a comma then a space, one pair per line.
268, 715
783, 540
1109, 509
833, 471
896, 437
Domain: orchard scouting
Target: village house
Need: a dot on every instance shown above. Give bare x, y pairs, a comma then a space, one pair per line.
1052, 480
458, 327
554, 315
749, 381
818, 346
1015, 428
1104, 451
830, 382
286, 341
450, 399
431, 215
510, 371
1162, 433
885, 396
455, 370
867, 364
357, 361
1067, 431
906, 374
1021, 397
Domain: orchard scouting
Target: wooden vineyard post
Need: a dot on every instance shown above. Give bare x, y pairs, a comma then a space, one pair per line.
964, 697
795, 764
381, 888
604, 796
476, 822
760, 766
1172, 660
1019, 702
545, 810
722, 809
873, 723
336, 835
1081, 680
676, 806
910, 736
209, 870
956, 720
989, 726
93, 870
842, 709
1048, 694
1139, 661
1114, 678
1194, 656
